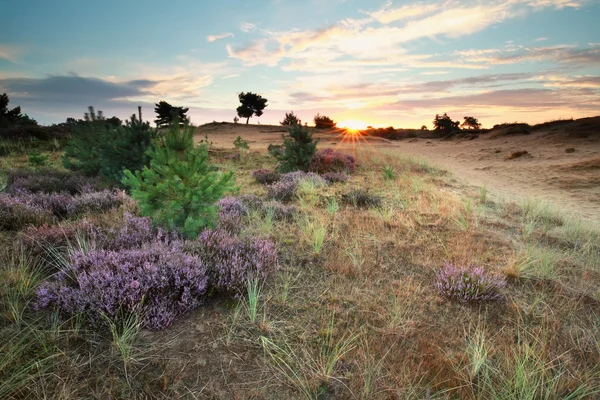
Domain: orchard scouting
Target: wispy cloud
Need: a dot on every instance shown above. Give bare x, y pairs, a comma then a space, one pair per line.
212, 38
247, 27
411, 11
10, 53
562, 53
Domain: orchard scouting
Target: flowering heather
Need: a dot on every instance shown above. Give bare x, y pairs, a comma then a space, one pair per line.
333, 177
50, 182
265, 176
278, 210
136, 232
37, 240
233, 260
17, 212
232, 211
298, 176
161, 281
62, 205
251, 200
98, 201
283, 191
468, 284
329, 160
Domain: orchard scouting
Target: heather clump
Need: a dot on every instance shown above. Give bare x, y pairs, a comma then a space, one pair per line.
233, 260
298, 176
159, 281
98, 201
41, 241
283, 191
134, 233
335, 177
265, 176
51, 182
467, 284
17, 212
251, 200
21, 208
231, 213
329, 160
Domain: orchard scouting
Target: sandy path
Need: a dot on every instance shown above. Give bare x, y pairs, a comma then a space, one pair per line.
547, 173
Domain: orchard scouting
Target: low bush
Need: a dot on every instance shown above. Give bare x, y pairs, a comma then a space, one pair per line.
251, 200
159, 281
265, 176
16, 212
283, 191
99, 148
241, 144
468, 284
361, 199
98, 201
335, 177
298, 176
324, 122
232, 260
42, 241
22, 208
298, 150
329, 160
51, 181
231, 213
275, 150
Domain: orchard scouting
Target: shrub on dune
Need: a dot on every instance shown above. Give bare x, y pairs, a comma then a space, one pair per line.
335, 177
329, 160
265, 176
468, 284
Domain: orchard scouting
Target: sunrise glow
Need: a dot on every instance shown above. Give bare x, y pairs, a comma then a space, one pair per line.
353, 125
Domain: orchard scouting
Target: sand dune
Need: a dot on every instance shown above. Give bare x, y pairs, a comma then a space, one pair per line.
561, 166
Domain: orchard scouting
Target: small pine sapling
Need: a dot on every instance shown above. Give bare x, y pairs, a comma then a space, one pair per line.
180, 188
298, 150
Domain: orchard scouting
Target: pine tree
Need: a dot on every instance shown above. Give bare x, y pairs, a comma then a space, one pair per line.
167, 113
99, 148
180, 187
252, 104
298, 150
126, 147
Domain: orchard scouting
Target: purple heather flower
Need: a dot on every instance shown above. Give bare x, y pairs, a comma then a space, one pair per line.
468, 284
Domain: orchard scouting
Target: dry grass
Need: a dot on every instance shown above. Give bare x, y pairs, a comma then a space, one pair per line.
353, 314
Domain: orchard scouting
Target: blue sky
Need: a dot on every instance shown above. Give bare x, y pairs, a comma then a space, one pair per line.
382, 62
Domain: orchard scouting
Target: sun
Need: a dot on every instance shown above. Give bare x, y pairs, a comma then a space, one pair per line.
352, 125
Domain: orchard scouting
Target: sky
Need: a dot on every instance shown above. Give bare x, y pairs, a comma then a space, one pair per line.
381, 62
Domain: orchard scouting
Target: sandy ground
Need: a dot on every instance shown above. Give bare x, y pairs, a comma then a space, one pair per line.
570, 181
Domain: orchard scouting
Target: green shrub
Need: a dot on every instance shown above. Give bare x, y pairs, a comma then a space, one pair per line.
241, 144
298, 150
37, 159
82, 152
99, 148
180, 188
324, 122
127, 149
